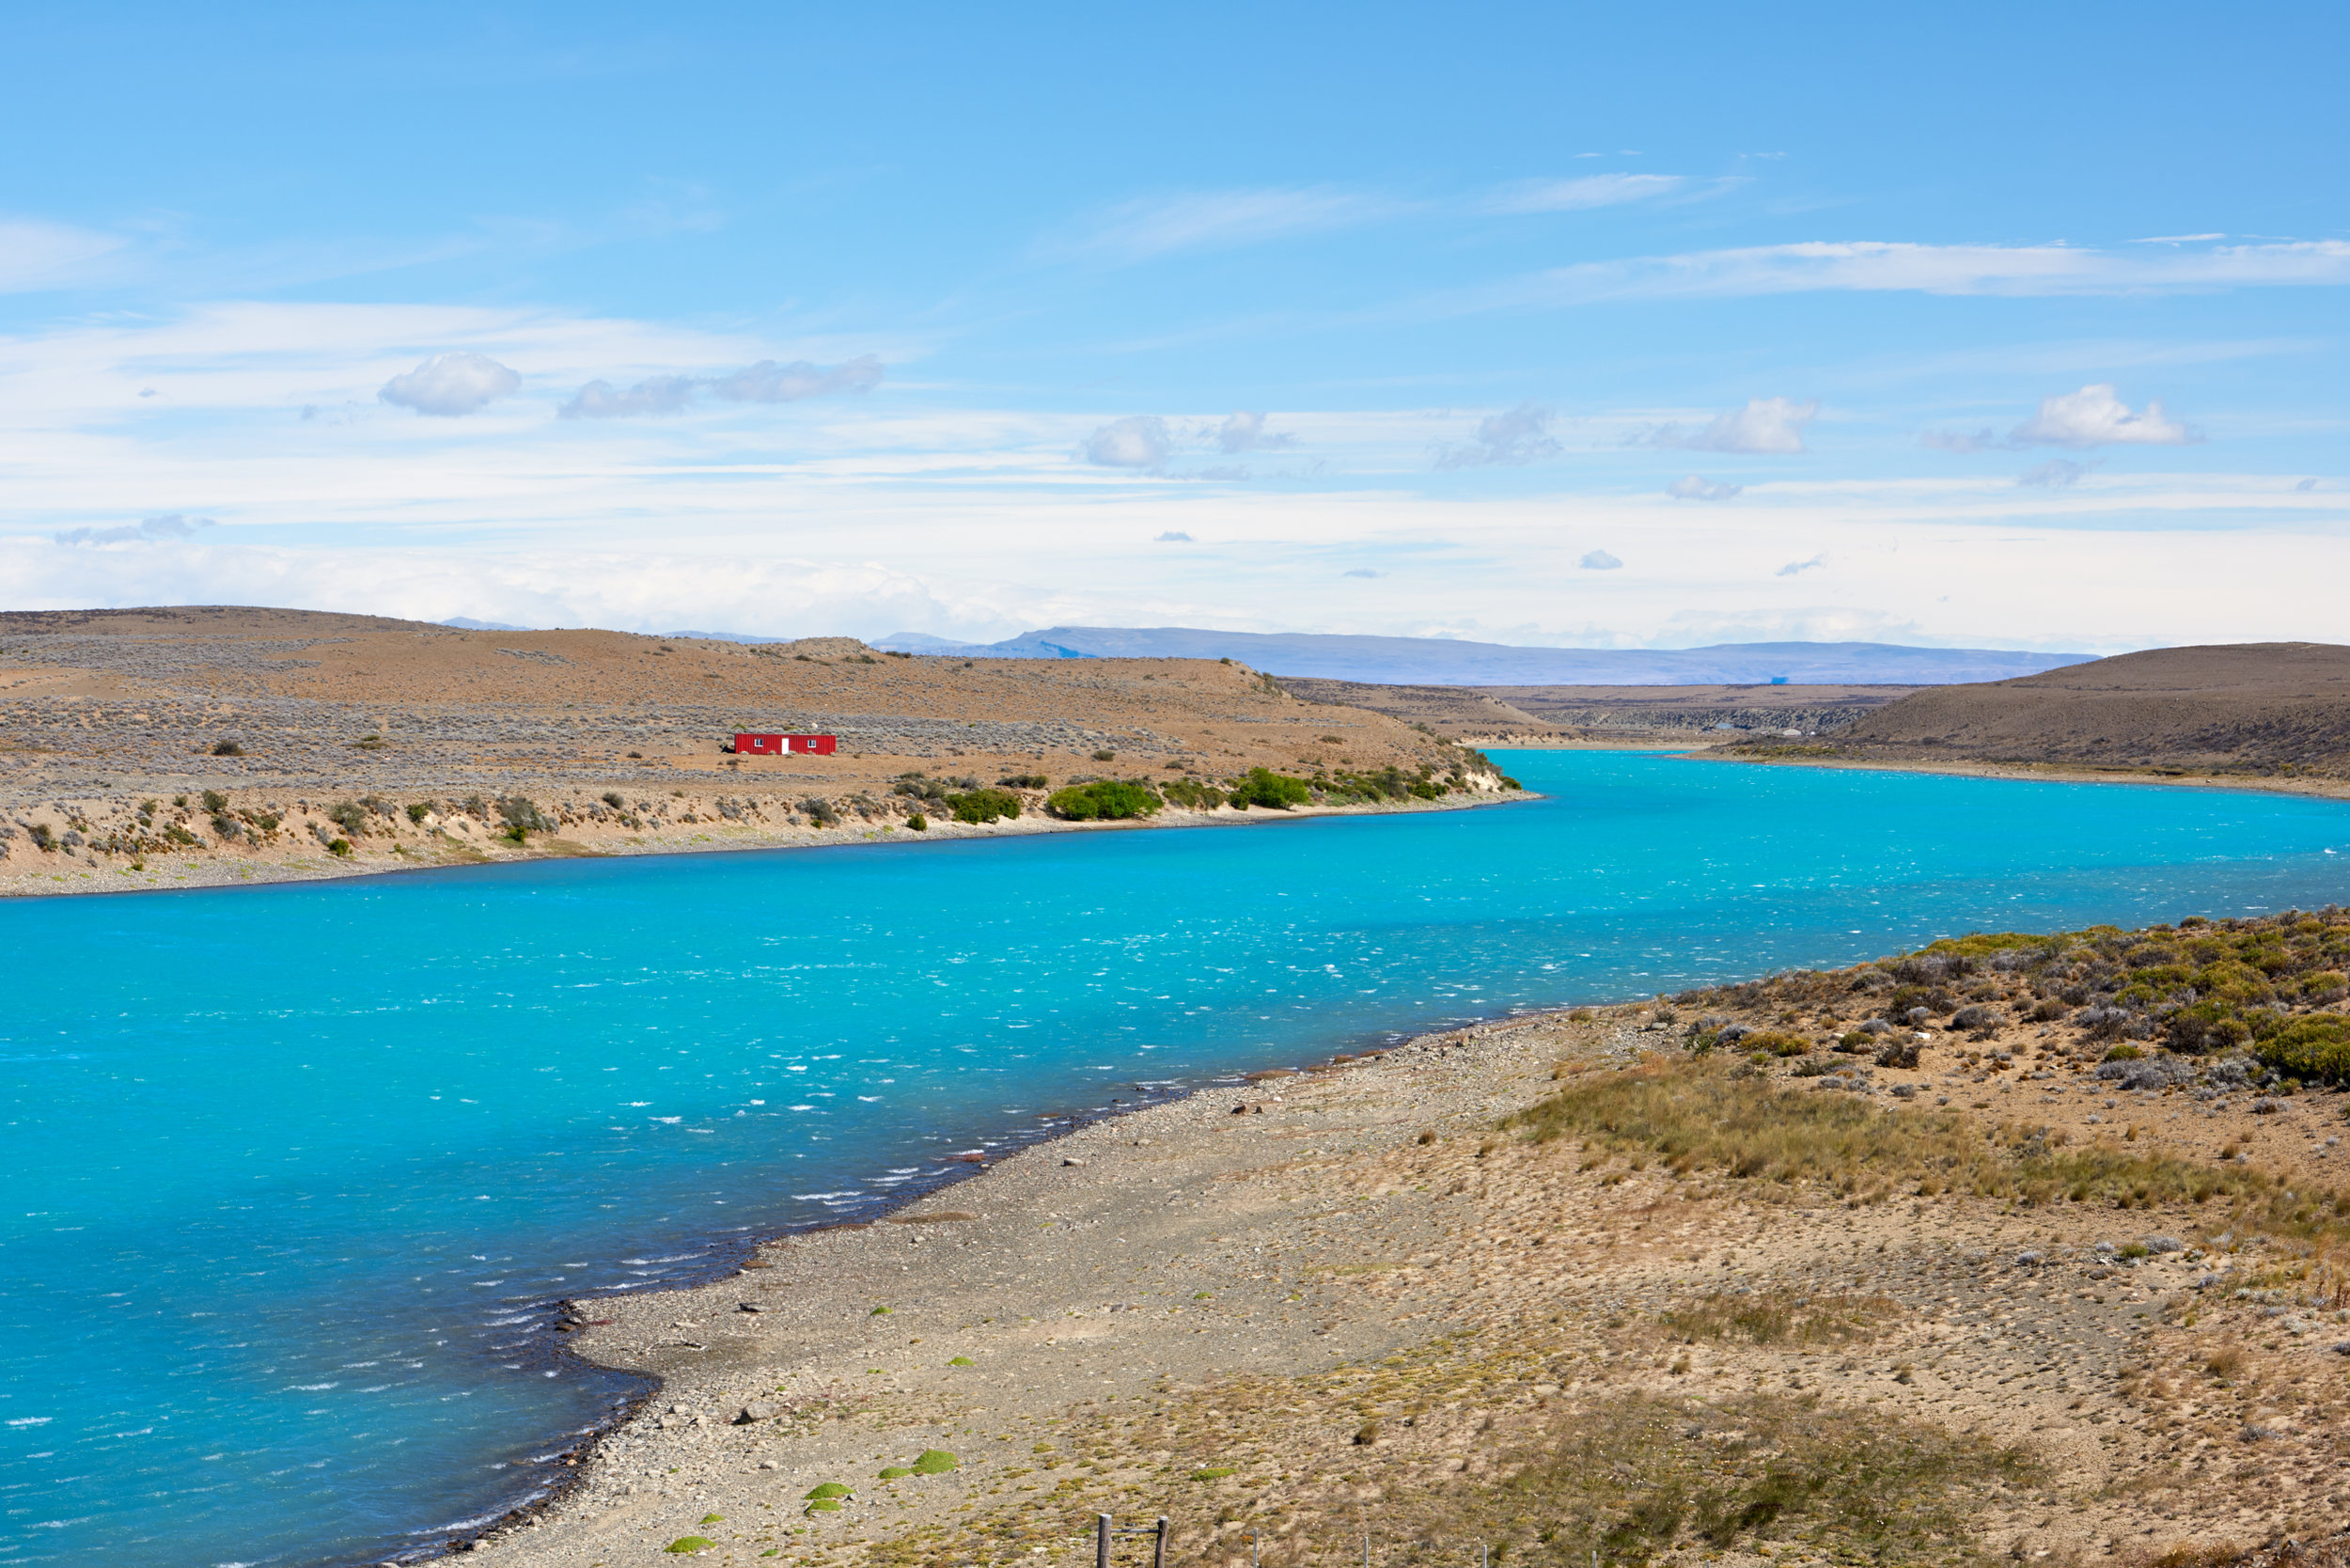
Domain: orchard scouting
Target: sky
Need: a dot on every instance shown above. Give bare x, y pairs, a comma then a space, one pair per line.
1998, 326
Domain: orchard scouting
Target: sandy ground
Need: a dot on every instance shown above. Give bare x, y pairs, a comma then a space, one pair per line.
1342, 1301
118, 728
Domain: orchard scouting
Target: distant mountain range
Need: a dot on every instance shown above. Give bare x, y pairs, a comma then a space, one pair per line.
1444, 662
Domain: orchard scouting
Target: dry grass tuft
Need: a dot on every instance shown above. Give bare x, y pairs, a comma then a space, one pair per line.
1695, 1113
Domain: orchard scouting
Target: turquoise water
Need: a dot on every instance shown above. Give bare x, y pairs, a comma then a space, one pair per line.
292, 1174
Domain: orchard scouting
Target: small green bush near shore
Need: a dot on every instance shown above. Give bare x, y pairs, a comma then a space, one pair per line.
1105, 799
1275, 791
920, 822
984, 806
1191, 792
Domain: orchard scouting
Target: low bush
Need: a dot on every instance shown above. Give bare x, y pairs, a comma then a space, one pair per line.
1275, 791
1191, 792
2310, 1048
984, 806
1026, 781
350, 816
820, 811
1777, 1042
920, 822
214, 801
418, 811
611, 798
43, 836
521, 818
228, 748
339, 848
1105, 799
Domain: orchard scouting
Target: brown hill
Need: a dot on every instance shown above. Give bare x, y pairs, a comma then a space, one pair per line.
2260, 708
118, 728
1539, 715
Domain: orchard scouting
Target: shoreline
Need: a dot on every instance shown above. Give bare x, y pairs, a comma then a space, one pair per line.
213, 872
1304, 1246
2050, 773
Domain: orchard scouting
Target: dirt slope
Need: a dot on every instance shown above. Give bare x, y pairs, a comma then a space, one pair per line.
1507, 716
2262, 708
114, 725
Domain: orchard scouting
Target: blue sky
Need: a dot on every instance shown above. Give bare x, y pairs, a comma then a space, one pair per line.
2008, 325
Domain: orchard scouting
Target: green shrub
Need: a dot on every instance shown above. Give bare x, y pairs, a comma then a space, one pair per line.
1106, 799
339, 848
920, 822
350, 816
1778, 1043
934, 1462
2310, 1048
1275, 791
1026, 781
215, 801
1510, 783
1191, 792
828, 1491
984, 806
43, 837
1105, 756
521, 818
228, 748
820, 811
895, 1472
685, 1545
611, 798
1427, 791
418, 811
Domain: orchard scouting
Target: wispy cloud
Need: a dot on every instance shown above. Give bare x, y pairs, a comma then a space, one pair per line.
1689, 487
149, 530
1219, 220
763, 382
1796, 569
1959, 440
1569, 196
1513, 439
36, 255
1246, 432
1598, 560
2055, 473
1894, 266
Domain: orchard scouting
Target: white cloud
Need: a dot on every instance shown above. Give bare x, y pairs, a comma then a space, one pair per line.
451, 385
763, 382
36, 256
1246, 432
1959, 440
1876, 266
1567, 195
2306, 485
601, 400
1218, 220
1361, 571
1172, 535
1796, 569
2094, 417
1514, 438
1689, 487
1772, 425
150, 530
770, 383
2055, 473
1137, 440
1598, 560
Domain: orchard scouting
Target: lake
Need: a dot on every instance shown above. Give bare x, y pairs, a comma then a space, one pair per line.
294, 1174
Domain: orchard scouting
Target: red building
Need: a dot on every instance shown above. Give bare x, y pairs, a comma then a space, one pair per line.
777, 745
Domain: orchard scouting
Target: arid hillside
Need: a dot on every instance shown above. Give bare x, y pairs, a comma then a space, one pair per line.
1553, 715
2272, 708
189, 743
